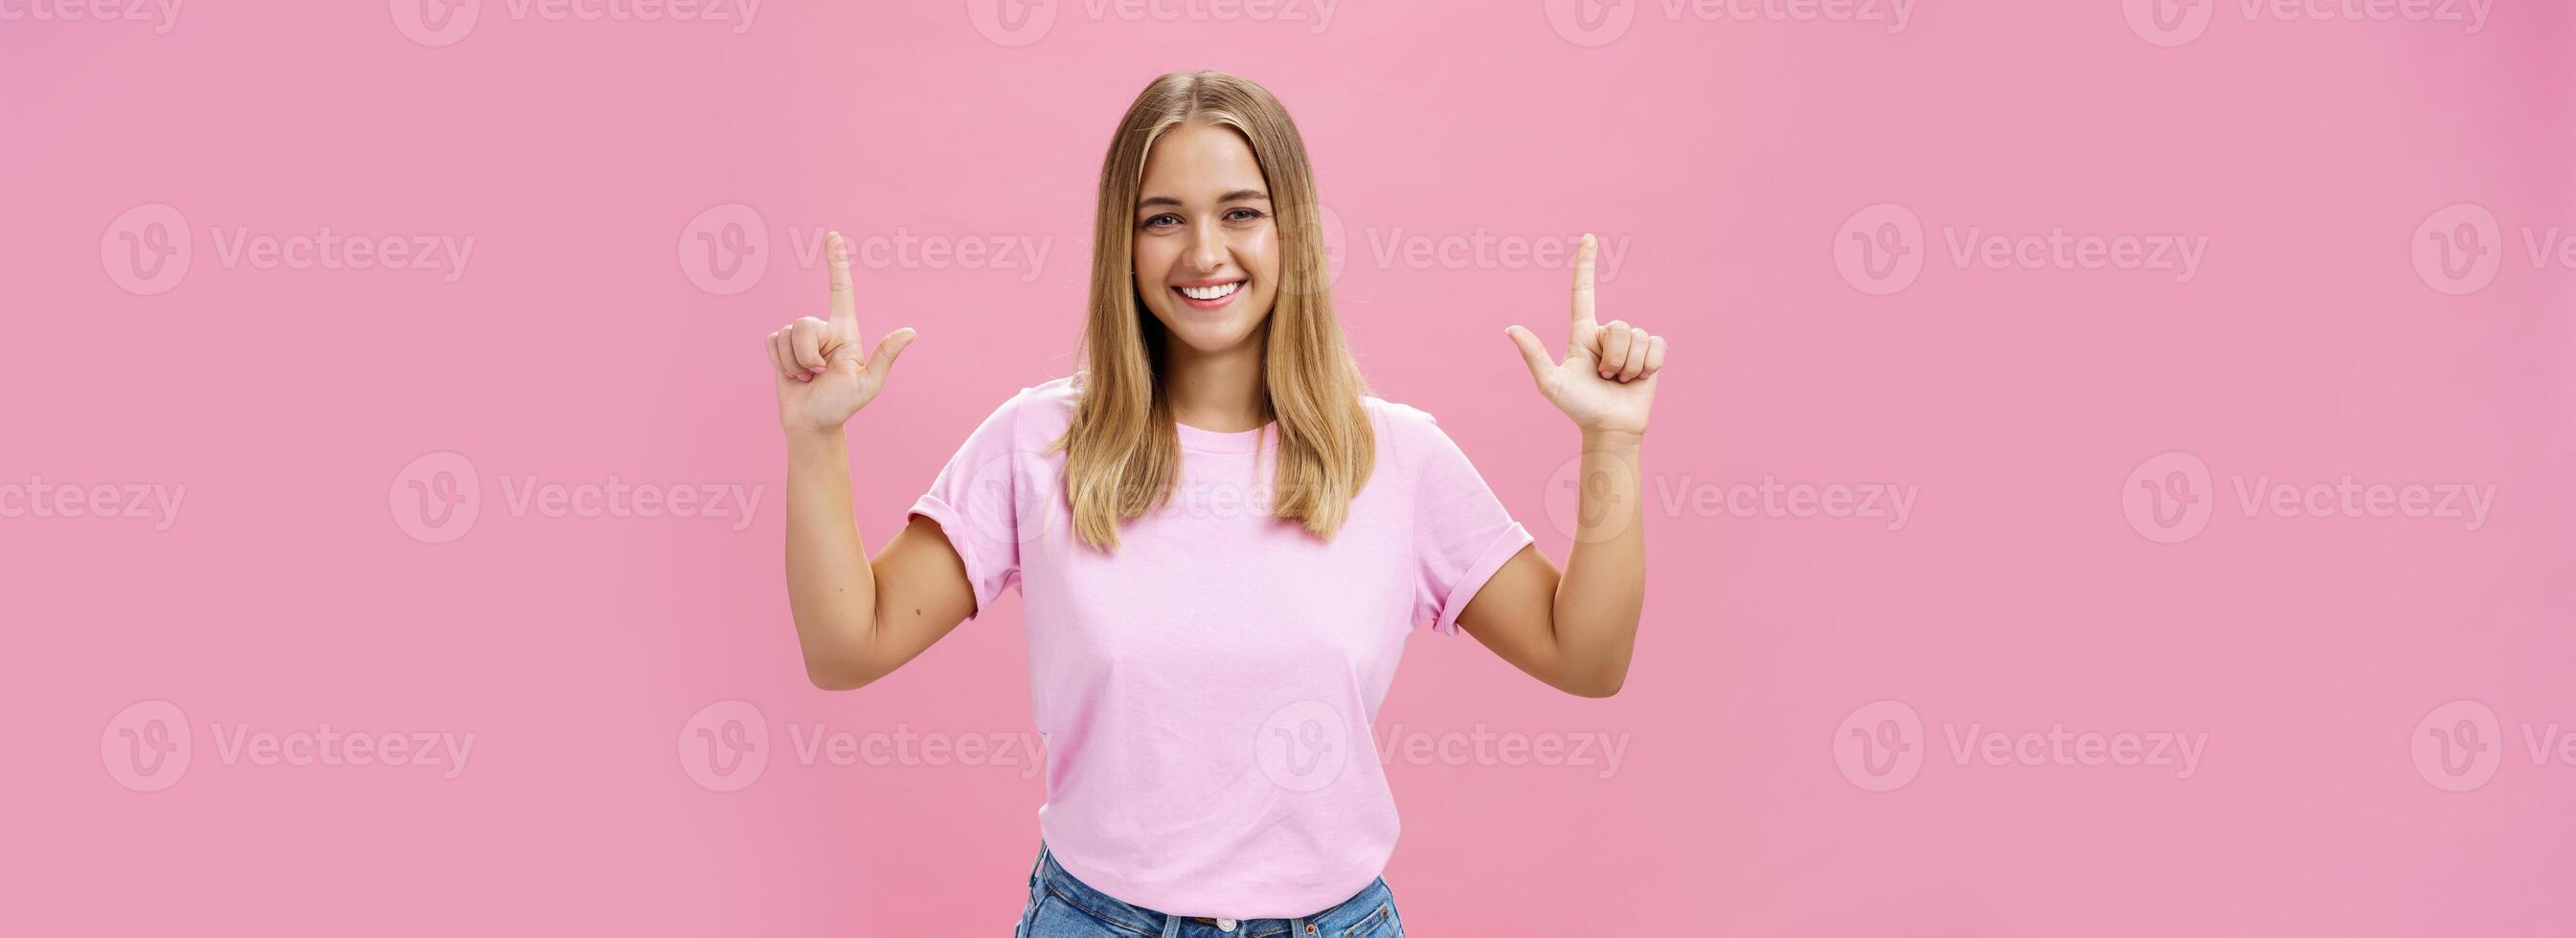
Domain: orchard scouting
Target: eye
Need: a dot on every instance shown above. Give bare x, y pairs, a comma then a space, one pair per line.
1243, 216
1165, 220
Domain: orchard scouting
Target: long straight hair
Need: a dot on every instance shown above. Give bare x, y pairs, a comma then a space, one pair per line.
1122, 450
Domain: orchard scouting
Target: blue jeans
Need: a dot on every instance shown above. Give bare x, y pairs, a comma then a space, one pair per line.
1060, 906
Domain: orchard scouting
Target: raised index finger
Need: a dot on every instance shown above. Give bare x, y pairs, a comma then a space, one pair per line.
845, 302
1583, 287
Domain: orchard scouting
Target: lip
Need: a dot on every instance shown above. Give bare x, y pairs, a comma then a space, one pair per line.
1219, 302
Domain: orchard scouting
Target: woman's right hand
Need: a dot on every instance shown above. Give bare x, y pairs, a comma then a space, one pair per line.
822, 380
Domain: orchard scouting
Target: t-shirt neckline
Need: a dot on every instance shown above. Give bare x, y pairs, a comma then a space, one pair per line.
1211, 441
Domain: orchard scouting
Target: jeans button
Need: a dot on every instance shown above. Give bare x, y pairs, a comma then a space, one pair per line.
1225, 925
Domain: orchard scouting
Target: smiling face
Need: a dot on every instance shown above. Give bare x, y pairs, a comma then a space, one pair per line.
1207, 241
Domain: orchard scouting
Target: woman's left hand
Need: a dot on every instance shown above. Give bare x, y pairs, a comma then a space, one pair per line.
1607, 380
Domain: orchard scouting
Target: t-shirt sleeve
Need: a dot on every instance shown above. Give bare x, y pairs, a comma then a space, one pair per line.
1462, 533
976, 500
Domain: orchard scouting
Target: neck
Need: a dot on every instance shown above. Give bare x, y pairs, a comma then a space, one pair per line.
1218, 391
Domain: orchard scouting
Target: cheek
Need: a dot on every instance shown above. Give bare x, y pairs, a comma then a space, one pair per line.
1258, 250
1153, 260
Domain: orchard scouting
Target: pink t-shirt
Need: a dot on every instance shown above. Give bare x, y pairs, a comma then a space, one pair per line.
1206, 692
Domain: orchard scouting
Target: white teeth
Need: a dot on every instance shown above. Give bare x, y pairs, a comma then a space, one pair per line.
1210, 293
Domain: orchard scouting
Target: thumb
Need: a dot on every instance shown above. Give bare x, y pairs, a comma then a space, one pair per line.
890, 348
1532, 353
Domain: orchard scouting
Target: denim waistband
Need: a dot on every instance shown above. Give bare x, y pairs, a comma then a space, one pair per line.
1371, 903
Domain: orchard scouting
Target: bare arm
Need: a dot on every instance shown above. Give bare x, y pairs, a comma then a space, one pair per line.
1577, 630
856, 620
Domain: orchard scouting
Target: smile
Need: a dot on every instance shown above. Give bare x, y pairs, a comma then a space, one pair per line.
1209, 296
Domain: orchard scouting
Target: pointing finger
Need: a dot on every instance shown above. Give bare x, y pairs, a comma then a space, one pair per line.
845, 302
1583, 286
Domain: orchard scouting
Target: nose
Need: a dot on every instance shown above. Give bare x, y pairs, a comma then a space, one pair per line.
1207, 248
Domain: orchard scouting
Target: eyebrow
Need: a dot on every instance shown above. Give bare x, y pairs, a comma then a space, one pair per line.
1238, 195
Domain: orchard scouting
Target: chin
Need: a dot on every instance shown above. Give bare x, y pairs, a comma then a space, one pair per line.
1192, 328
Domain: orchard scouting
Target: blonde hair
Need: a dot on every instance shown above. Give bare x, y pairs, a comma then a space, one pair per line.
1122, 450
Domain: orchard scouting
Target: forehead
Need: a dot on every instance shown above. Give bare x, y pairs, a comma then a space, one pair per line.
1197, 161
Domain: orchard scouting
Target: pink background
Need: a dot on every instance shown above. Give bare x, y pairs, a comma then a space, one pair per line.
296, 586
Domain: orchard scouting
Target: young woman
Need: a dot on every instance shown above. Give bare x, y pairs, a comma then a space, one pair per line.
1221, 537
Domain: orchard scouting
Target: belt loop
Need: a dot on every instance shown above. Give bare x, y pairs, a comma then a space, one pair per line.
1296, 928
1171, 926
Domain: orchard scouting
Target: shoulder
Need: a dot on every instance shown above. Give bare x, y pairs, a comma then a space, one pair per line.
1408, 436
1033, 417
